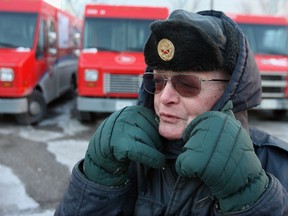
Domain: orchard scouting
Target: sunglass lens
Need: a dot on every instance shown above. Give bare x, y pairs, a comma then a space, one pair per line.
148, 83
187, 85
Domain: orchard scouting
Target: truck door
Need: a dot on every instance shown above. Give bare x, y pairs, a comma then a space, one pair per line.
37, 99
40, 63
46, 57
64, 64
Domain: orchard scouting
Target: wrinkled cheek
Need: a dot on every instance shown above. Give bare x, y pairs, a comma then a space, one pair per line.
171, 131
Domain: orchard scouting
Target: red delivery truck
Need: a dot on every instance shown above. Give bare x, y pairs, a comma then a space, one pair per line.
111, 57
37, 60
268, 37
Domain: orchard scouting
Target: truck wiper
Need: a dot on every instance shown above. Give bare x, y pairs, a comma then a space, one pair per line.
101, 49
4, 44
135, 49
274, 52
108, 49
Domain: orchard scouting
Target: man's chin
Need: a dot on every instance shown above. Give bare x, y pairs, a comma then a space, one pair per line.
170, 133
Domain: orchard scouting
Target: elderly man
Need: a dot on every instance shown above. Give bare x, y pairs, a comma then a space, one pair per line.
186, 148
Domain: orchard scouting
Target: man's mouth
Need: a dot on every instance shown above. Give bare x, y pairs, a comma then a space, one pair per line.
168, 118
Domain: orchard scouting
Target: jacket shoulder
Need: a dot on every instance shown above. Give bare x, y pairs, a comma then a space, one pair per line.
263, 139
273, 154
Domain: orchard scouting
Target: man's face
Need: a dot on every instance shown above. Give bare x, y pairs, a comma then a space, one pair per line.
175, 111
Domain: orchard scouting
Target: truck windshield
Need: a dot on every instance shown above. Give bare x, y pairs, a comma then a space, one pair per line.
267, 39
17, 29
116, 34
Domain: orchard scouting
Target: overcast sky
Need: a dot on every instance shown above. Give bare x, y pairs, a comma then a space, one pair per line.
233, 6
172, 4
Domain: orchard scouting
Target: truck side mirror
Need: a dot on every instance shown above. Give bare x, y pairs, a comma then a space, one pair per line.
76, 52
52, 38
76, 39
52, 51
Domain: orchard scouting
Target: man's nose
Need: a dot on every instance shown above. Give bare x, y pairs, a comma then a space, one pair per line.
169, 94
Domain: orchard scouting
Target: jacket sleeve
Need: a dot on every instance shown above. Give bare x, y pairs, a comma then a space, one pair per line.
84, 197
273, 154
274, 201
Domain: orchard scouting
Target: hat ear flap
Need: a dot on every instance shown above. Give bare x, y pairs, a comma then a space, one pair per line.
232, 47
150, 52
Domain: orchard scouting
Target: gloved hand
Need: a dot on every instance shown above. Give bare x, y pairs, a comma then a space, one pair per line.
130, 134
219, 151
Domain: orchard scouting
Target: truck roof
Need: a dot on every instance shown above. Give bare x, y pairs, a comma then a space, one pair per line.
259, 19
135, 12
26, 6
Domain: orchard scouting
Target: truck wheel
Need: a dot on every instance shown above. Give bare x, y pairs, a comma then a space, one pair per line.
37, 110
73, 84
279, 114
84, 116
73, 87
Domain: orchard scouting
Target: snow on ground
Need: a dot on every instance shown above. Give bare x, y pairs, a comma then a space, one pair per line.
14, 201
12, 192
61, 151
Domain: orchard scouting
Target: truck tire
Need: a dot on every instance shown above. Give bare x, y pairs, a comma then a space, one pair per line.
37, 110
84, 117
73, 84
72, 92
279, 114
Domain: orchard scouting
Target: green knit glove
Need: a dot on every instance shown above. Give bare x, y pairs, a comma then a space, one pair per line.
130, 134
219, 151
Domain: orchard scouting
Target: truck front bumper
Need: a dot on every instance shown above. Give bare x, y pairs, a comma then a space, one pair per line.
273, 104
85, 104
13, 106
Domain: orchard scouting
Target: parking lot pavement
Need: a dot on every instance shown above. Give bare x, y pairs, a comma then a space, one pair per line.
36, 161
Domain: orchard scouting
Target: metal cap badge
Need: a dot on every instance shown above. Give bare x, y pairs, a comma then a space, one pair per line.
165, 49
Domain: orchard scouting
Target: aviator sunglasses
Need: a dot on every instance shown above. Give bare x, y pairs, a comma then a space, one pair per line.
186, 85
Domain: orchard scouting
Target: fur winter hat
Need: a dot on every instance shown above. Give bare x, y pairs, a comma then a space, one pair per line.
191, 41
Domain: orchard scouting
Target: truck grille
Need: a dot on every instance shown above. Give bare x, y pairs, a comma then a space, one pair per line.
119, 83
273, 84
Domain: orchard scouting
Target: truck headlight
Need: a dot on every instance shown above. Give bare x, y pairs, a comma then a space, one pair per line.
91, 75
6, 74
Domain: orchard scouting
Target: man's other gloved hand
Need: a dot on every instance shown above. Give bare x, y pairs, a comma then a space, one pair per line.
219, 151
130, 134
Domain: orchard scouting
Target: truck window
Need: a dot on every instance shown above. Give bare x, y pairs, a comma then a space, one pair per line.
267, 39
17, 29
52, 29
116, 34
41, 43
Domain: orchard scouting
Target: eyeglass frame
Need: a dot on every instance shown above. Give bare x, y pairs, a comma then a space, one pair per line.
174, 84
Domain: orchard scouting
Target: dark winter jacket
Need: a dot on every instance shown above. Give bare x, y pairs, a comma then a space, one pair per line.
162, 191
